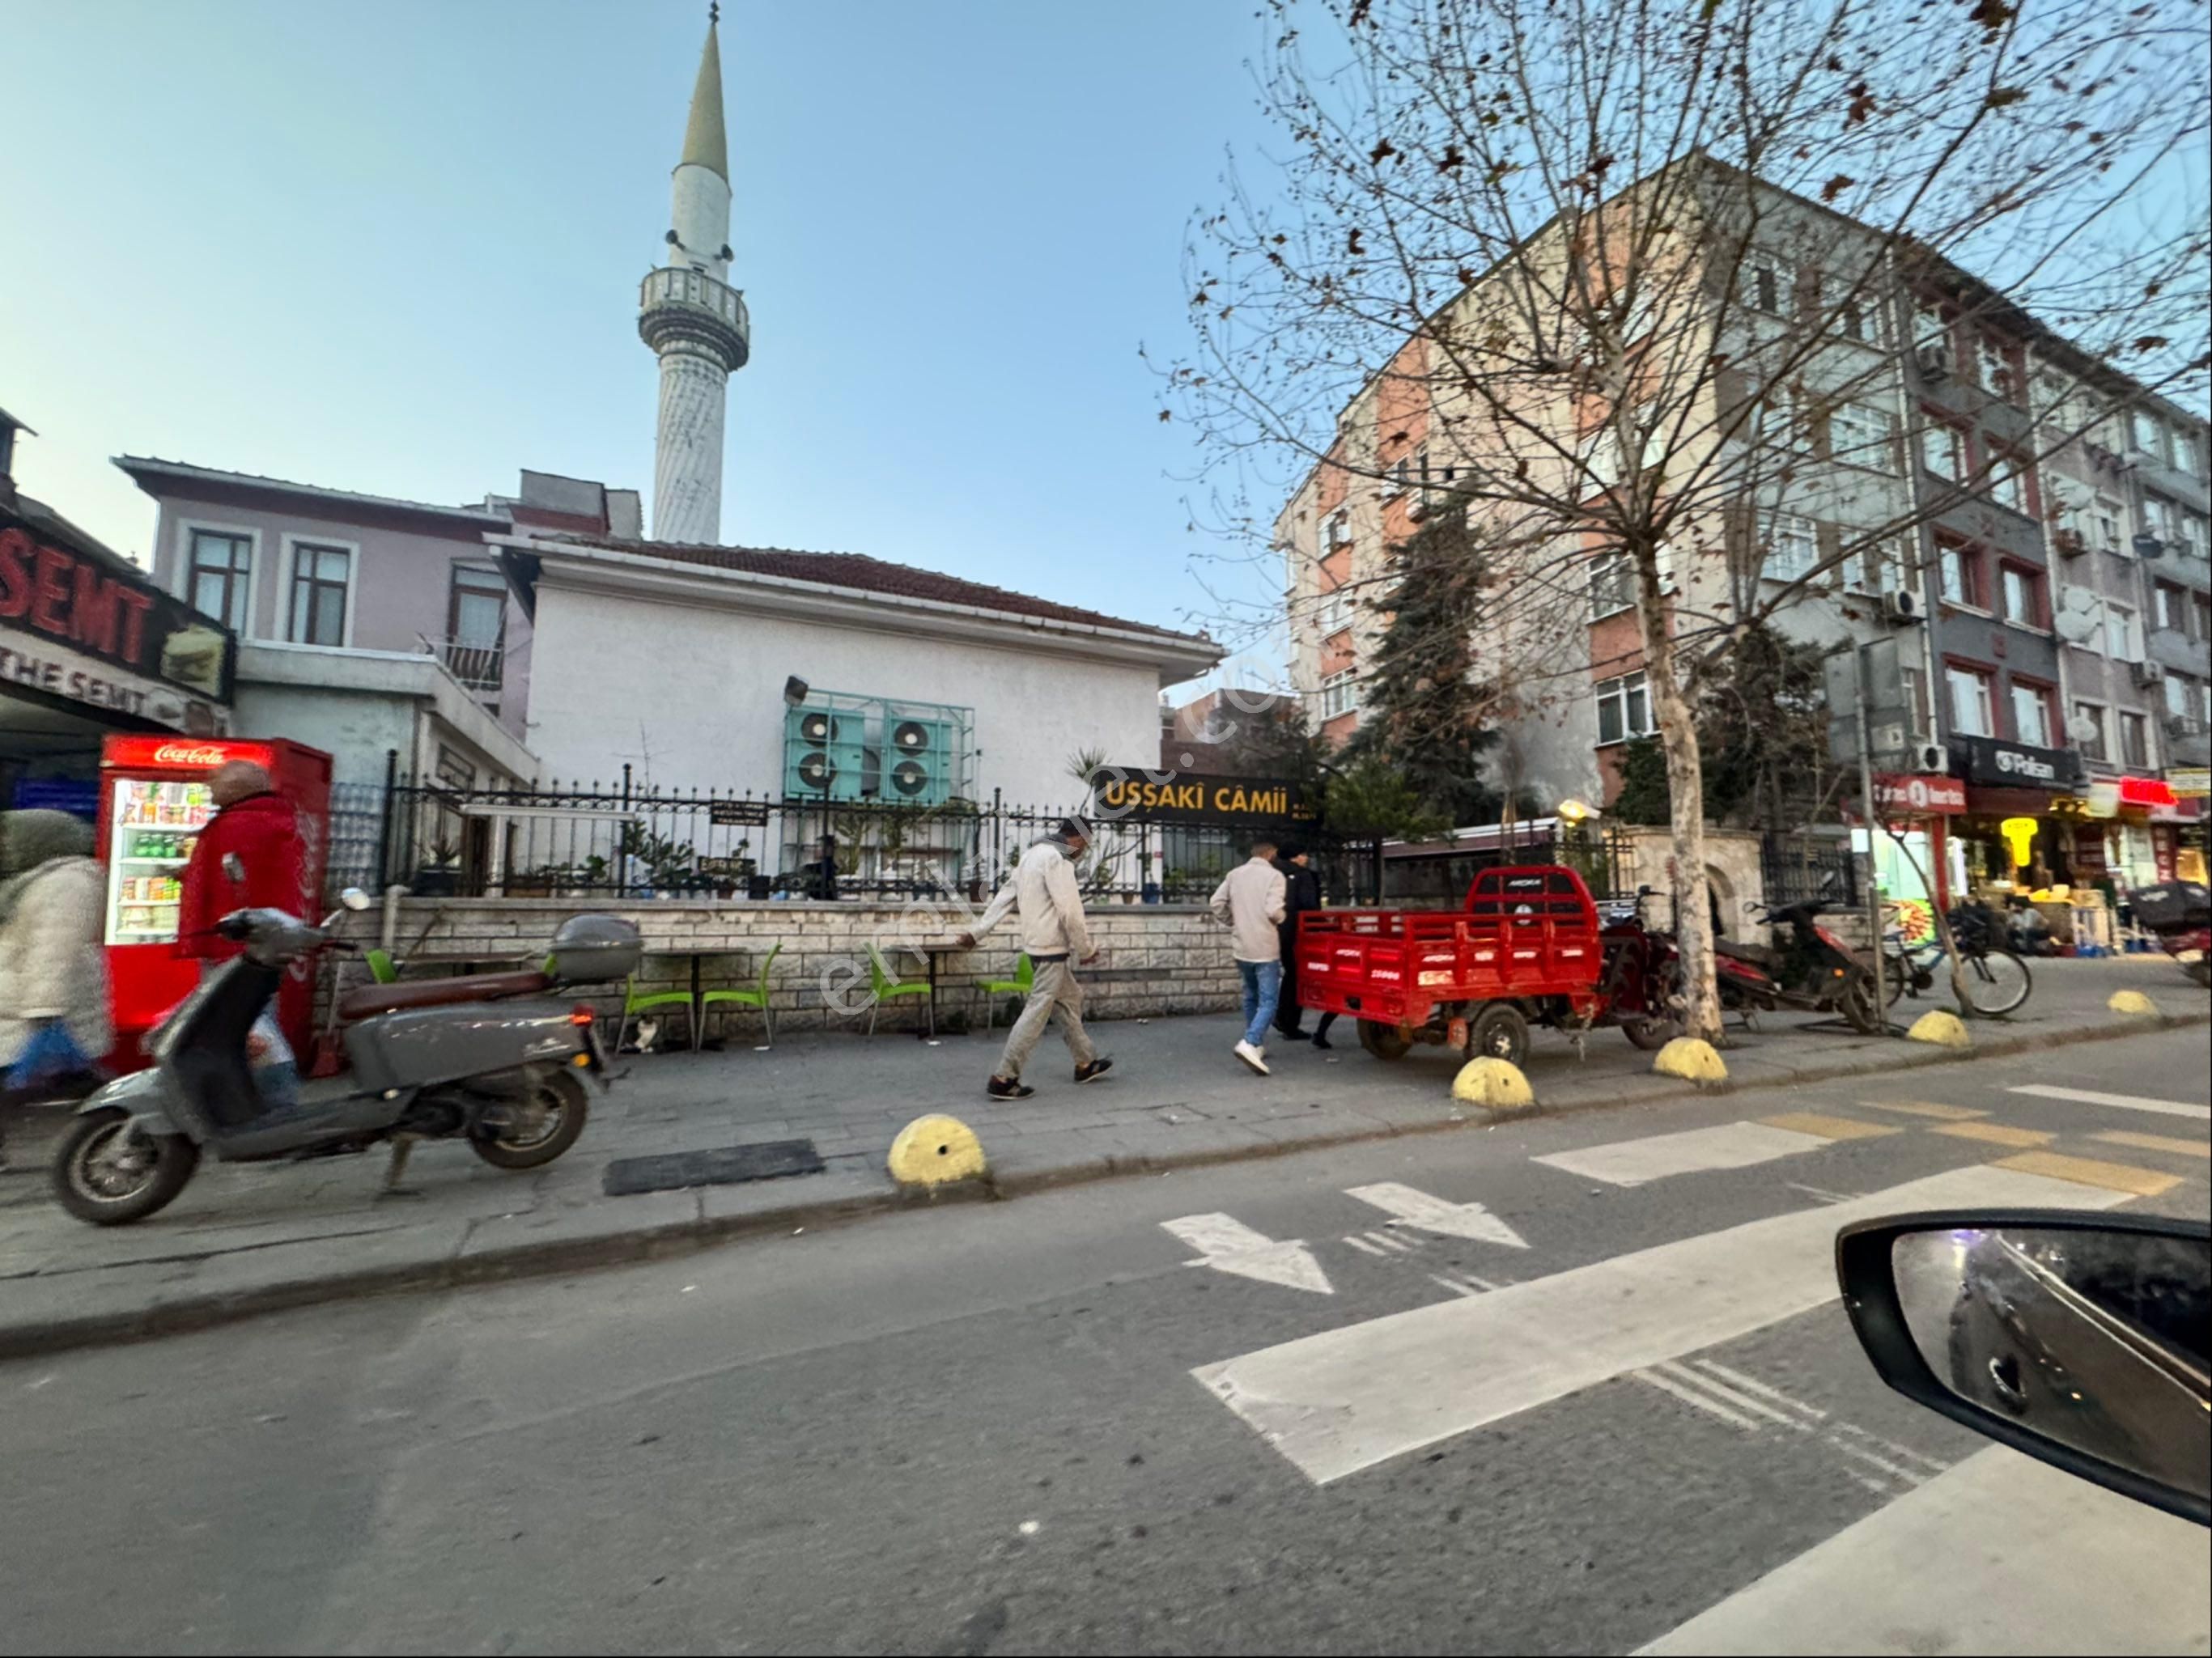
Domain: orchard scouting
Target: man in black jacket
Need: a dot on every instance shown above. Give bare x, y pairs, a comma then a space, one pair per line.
1301, 892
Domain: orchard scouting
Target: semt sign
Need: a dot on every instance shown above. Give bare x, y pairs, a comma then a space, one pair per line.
1129, 795
81, 631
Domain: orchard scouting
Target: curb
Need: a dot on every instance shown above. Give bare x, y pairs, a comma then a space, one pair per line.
554, 1256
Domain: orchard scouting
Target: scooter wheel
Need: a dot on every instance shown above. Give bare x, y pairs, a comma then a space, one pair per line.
110, 1175
552, 1116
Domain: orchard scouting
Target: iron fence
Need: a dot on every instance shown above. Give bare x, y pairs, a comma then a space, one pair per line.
1797, 868
628, 840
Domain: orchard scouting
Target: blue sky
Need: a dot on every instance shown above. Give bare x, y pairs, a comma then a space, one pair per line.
395, 248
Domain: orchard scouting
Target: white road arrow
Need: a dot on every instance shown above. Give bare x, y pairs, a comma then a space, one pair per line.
1408, 1206
1227, 1245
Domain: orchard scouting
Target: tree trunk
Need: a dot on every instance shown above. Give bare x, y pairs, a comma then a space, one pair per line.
1678, 738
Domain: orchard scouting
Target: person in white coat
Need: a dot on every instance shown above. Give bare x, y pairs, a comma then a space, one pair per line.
54, 1021
1250, 902
1055, 936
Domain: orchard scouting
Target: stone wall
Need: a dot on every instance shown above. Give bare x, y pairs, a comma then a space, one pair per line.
1154, 959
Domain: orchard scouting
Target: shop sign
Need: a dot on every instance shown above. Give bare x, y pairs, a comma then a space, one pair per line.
738, 813
88, 634
2145, 792
1129, 795
1996, 764
1919, 796
180, 753
2190, 781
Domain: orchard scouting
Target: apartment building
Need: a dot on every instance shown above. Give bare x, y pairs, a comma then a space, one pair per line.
2048, 595
366, 624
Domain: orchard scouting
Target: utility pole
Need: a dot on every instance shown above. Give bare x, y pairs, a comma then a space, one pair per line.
1872, 828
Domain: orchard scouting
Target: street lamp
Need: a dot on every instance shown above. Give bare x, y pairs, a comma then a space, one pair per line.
1571, 810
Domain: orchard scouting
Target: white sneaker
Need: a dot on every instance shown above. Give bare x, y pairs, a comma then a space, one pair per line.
1254, 1057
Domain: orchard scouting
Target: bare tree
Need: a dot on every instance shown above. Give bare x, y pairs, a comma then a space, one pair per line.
1639, 285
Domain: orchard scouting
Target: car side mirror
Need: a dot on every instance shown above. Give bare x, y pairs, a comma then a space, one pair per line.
2079, 1339
355, 900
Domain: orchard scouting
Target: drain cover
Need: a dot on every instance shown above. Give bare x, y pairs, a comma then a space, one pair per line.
721, 1165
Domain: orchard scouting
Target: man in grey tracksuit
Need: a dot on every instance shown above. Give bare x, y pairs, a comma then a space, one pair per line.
1055, 938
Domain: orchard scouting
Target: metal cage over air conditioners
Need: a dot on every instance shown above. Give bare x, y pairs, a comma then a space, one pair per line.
840, 747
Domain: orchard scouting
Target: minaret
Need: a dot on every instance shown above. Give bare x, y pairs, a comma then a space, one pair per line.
695, 321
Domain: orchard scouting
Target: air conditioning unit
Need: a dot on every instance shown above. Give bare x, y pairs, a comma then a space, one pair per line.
920, 759
2071, 544
2148, 674
2180, 725
823, 756
1935, 361
1901, 606
1932, 757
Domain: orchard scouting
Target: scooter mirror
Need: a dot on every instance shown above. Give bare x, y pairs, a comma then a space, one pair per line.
354, 899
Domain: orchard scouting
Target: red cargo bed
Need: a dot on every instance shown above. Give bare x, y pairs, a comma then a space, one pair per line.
1527, 932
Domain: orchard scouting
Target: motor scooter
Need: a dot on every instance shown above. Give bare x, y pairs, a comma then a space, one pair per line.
2178, 915
1806, 966
489, 1058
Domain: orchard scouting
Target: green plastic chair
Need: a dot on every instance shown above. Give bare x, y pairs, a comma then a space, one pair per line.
381, 967
756, 997
888, 986
634, 1004
1023, 982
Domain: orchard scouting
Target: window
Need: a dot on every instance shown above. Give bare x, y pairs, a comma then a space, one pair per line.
1943, 450
1958, 575
2024, 596
2185, 702
2160, 519
1859, 319
1973, 712
475, 621
2145, 433
1335, 612
1859, 434
2135, 742
1762, 284
2172, 607
2204, 608
2195, 534
1999, 378
1398, 477
1881, 566
320, 577
1915, 697
2031, 715
2089, 719
1792, 546
2009, 484
2123, 632
219, 576
2188, 453
1613, 585
1339, 693
1624, 709
2105, 520
1930, 326
1340, 529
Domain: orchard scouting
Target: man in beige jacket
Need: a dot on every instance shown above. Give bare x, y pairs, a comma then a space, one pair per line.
1249, 902
1054, 937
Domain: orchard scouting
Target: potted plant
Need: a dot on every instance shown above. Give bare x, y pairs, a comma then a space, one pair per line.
442, 876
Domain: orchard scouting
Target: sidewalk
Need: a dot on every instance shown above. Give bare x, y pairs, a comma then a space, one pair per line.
254, 1238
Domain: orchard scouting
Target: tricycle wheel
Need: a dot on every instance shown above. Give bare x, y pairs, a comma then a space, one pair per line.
1499, 1033
1384, 1041
1649, 1034
110, 1173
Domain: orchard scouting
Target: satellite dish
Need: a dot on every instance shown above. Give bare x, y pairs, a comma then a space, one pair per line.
2082, 729
2081, 598
2076, 626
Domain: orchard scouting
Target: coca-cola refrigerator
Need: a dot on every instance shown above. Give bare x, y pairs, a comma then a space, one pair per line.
154, 802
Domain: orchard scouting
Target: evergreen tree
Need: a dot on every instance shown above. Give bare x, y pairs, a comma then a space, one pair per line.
1426, 714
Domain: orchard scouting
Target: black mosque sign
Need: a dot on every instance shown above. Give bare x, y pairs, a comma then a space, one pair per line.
1128, 795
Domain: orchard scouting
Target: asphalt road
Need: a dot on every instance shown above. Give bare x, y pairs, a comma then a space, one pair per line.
1606, 1407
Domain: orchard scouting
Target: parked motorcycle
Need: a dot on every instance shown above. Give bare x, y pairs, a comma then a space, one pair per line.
488, 1058
2178, 915
1806, 966
1642, 990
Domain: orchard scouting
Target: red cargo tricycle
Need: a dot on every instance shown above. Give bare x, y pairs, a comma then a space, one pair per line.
1525, 948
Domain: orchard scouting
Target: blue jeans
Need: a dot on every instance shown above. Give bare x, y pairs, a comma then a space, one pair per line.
1263, 988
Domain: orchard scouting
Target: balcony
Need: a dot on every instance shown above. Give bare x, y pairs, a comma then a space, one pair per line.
691, 307
481, 667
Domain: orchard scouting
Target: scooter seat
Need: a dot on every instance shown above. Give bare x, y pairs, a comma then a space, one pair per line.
366, 1000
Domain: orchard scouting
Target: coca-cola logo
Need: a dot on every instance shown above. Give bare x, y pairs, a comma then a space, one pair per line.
188, 753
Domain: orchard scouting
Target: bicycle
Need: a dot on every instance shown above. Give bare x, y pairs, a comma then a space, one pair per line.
1993, 981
